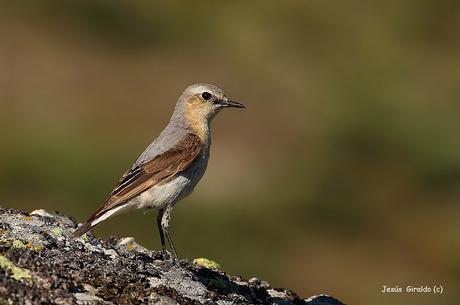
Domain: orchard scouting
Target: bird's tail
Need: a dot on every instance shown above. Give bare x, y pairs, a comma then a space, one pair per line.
99, 216
88, 225
82, 230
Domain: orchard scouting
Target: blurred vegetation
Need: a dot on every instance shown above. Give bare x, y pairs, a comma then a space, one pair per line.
343, 174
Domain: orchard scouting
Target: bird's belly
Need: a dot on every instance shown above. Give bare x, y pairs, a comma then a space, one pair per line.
169, 193
162, 195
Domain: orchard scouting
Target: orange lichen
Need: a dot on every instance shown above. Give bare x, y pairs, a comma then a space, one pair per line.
33, 247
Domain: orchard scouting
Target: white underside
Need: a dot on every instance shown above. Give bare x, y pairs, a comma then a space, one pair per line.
108, 214
155, 197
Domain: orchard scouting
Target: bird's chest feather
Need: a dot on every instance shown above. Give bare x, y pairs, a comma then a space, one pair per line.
179, 187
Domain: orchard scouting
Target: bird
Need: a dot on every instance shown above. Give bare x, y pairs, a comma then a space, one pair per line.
171, 166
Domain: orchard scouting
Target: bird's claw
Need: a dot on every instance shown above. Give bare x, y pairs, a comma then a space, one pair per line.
169, 256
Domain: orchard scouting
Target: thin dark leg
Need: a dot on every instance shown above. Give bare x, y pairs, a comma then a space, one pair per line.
165, 225
160, 230
171, 244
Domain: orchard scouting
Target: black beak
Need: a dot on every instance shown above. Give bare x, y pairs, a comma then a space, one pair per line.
230, 103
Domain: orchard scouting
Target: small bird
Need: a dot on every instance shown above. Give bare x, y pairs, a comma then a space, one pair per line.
171, 166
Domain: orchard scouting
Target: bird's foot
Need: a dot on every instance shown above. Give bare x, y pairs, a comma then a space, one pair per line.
170, 256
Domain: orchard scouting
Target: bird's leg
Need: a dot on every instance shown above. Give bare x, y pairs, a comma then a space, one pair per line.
160, 230
165, 225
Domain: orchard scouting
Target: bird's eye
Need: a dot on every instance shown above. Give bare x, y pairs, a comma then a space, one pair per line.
206, 95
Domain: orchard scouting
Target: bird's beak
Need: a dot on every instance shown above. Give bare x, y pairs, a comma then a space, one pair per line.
230, 103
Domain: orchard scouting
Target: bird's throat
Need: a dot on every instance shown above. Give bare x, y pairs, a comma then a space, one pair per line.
197, 118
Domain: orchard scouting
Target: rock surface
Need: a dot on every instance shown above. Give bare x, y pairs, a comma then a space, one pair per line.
39, 265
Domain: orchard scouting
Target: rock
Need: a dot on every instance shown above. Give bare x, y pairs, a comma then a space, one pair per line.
41, 212
40, 265
323, 299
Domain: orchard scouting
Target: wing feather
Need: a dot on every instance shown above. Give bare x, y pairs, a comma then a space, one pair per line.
161, 169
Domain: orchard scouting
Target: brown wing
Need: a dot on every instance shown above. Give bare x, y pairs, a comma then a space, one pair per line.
157, 171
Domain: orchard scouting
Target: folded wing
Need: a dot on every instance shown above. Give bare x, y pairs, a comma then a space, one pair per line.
161, 169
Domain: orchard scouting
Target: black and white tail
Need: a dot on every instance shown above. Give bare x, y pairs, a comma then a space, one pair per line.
99, 216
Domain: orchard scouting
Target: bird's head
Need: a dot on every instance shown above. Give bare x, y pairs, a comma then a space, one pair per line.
199, 103
206, 100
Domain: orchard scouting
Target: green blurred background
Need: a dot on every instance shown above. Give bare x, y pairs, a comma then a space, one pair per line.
343, 174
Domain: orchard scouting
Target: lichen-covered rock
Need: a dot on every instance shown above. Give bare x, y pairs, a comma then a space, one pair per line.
40, 265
